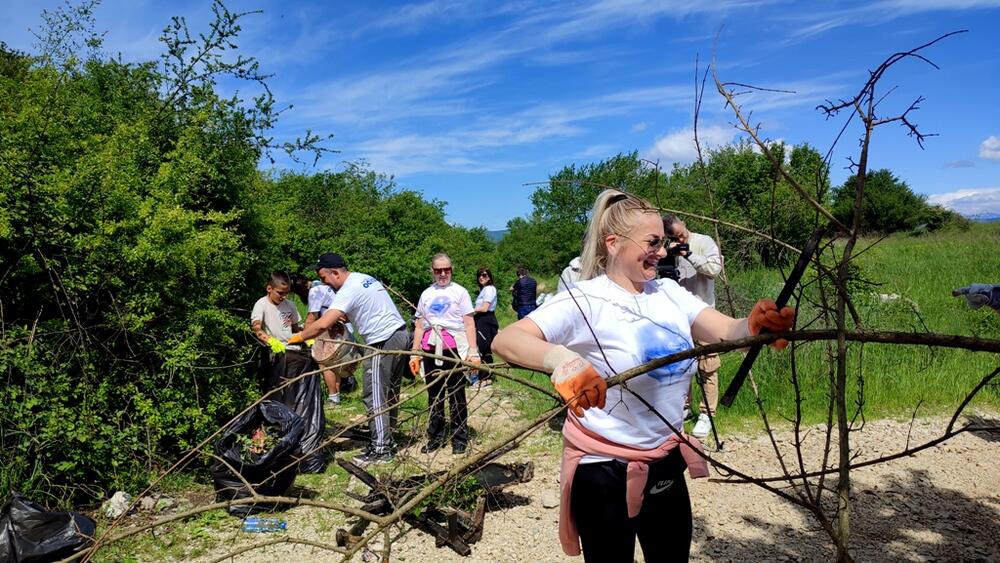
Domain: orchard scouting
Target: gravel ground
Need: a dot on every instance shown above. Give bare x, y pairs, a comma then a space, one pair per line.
942, 504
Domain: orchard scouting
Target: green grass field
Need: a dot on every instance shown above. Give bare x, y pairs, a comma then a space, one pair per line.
910, 282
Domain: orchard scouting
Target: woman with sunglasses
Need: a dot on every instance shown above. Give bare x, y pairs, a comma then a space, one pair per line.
445, 327
486, 320
623, 461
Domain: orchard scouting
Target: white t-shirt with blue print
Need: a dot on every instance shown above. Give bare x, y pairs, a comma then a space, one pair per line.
632, 330
369, 306
445, 306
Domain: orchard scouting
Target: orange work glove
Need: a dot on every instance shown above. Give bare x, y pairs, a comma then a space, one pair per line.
765, 314
576, 380
474, 359
295, 339
415, 362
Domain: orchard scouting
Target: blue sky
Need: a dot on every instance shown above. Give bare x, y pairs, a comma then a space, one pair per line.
466, 101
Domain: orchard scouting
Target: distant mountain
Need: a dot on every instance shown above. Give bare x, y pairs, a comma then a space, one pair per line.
495, 236
985, 217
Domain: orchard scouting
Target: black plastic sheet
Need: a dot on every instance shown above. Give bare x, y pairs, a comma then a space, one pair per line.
270, 472
305, 399
29, 533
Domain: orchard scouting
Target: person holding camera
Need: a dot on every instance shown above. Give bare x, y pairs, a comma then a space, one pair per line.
696, 268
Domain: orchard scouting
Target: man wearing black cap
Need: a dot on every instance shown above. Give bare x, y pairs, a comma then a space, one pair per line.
365, 301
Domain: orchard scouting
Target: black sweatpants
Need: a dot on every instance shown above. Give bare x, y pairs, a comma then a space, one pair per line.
443, 383
607, 534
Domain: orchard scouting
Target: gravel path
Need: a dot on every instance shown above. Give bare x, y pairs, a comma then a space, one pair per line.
942, 504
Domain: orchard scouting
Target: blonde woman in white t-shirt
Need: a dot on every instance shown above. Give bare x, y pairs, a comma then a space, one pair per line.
444, 325
622, 468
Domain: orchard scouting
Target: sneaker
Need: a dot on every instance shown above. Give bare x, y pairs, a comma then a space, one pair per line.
333, 399
371, 457
688, 415
703, 427
458, 449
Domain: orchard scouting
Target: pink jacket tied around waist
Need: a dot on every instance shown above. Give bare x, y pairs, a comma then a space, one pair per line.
578, 442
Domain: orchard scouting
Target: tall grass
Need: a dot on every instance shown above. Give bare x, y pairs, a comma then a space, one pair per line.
910, 290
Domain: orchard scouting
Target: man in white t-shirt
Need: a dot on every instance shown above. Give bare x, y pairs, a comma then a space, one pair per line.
366, 302
319, 300
698, 269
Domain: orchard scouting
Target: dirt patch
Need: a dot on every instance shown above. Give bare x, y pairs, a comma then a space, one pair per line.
942, 504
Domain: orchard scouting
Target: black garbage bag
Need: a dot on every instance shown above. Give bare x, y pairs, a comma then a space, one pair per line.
305, 398
29, 533
266, 462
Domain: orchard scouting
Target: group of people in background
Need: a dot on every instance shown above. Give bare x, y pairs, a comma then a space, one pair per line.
342, 302
625, 450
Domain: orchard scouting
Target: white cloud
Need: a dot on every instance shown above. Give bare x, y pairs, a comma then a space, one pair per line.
471, 147
960, 164
990, 148
815, 22
596, 151
970, 202
678, 146
641, 126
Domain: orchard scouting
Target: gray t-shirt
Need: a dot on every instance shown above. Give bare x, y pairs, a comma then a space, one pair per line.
277, 320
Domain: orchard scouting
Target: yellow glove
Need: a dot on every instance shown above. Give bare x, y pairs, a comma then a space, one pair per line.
415, 362
576, 380
276, 346
310, 342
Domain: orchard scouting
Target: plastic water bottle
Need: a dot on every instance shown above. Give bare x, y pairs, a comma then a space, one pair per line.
254, 524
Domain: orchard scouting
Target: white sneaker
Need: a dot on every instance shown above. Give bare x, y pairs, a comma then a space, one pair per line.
333, 399
703, 427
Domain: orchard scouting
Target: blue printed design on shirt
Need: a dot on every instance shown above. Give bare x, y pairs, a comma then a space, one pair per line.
657, 341
439, 305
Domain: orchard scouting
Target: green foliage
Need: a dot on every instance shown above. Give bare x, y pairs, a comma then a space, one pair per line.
737, 184
889, 206
124, 245
135, 230
551, 237
911, 292
380, 230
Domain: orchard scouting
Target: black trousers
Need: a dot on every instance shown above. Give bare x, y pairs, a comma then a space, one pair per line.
607, 534
486, 330
452, 385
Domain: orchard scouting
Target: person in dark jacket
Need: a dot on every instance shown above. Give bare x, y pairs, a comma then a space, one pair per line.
524, 293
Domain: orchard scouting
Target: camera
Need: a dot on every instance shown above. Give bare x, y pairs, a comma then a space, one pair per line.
667, 266
682, 249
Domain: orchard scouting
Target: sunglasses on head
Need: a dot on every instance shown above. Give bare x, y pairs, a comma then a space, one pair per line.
442, 270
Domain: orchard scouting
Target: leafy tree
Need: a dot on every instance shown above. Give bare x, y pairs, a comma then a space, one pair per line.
745, 187
547, 241
888, 205
124, 246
